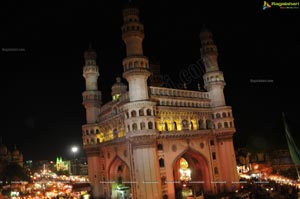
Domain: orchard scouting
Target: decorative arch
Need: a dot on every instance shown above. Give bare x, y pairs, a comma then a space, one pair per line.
199, 171
150, 125
134, 127
119, 172
142, 126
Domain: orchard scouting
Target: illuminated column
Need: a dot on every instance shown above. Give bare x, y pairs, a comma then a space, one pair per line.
91, 96
213, 78
145, 168
94, 171
223, 121
136, 65
140, 120
92, 102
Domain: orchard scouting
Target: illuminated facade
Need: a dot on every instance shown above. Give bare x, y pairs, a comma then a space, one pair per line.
148, 140
62, 165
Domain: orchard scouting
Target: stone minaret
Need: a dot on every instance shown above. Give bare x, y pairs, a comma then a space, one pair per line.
139, 118
223, 125
92, 101
91, 95
136, 65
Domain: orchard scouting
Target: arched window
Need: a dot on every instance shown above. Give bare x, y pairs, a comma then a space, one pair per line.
92, 141
134, 126
166, 126
150, 125
231, 124
161, 162
208, 124
148, 111
226, 124
87, 141
229, 114
192, 126
127, 115
213, 155
218, 115
223, 114
120, 168
185, 124
141, 112
87, 132
212, 143
142, 125
115, 133
175, 126
98, 140
160, 147
92, 131
128, 127
216, 170
212, 116
219, 125
200, 124
97, 131
133, 113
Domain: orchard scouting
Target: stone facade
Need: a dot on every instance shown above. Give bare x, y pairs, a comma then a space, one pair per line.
137, 143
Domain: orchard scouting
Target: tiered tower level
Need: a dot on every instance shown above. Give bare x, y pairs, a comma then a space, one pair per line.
144, 141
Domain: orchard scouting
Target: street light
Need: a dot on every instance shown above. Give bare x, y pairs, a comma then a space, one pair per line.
74, 150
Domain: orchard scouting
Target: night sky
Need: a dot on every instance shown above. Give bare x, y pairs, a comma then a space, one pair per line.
42, 82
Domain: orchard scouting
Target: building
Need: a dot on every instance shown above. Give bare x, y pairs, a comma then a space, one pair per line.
79, 166
8, 156
63, 165
152, 142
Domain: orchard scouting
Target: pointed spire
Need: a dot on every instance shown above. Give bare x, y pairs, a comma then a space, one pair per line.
90, 53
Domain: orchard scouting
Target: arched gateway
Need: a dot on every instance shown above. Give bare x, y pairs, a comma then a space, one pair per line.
119, 178
191, 174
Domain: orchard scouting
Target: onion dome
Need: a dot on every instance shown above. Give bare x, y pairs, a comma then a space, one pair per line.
118, 88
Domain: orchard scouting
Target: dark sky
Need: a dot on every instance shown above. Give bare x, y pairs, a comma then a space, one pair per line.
41, 82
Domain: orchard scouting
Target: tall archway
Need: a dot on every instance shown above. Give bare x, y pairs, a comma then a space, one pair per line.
119, 176
199, 174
